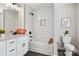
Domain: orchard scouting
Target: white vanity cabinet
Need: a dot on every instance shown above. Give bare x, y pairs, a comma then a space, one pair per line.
11, 47
14, 46
2, 48
17, 46
22, 45
2, 52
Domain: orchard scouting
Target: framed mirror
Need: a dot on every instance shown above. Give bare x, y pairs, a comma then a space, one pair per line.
42, 22
66, 22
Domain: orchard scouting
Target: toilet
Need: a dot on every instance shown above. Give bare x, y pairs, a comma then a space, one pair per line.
68, 46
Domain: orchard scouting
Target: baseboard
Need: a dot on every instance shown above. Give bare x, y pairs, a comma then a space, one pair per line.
41, 48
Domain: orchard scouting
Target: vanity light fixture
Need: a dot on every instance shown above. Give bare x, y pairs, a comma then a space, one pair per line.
13, 5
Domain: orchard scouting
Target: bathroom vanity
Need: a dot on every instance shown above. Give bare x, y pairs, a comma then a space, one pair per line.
11, 20
16, 45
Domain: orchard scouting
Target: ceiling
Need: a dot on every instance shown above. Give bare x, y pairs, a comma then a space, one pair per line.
34, 5
31, 5
37, 5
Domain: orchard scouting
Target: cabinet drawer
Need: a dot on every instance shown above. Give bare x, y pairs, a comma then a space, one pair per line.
2, 52
19, 51
25, 50
11, 50
14, 54
11, 42
2, 44
23, 38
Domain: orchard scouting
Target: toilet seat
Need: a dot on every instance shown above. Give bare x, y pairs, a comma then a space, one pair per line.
69, 47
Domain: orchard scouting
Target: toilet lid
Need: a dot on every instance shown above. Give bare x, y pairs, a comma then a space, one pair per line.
69, 46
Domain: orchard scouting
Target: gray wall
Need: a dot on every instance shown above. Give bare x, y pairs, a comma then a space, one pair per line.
77, 25
65, 10
41, 34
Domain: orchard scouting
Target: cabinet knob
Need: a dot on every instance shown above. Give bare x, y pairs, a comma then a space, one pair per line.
23, 44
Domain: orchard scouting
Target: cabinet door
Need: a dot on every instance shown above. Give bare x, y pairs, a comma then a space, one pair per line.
13, 54
22, 46
19, 49
19, 46
11, 50
2, 44
2, 52
11, 42
2, 48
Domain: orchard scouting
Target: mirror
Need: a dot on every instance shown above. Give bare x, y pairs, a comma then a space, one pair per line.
42, 22
11, 17
11, 20
65, 22
1, 21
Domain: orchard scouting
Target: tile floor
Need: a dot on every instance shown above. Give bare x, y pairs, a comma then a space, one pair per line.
31, 53
61, 53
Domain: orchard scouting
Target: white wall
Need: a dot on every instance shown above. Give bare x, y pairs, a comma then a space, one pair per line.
28, 18
77, 24
1, 21
41, 34
65, 10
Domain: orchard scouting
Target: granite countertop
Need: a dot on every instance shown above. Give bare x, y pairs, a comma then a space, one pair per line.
7, 37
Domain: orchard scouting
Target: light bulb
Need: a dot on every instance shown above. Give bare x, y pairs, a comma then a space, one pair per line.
8, 4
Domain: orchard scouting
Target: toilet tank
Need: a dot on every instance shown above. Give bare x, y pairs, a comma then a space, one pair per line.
66, 39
